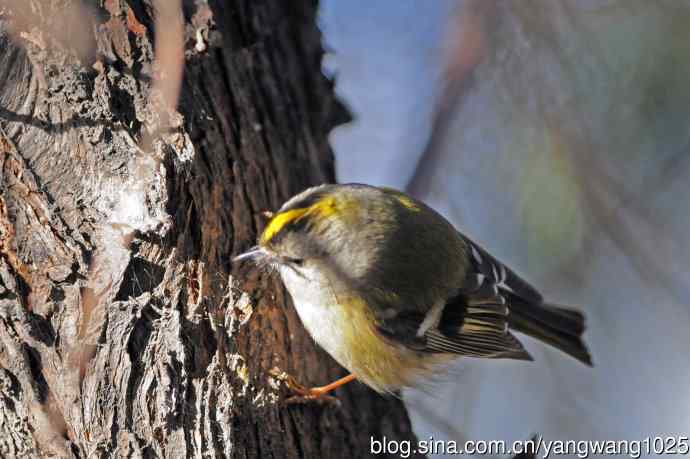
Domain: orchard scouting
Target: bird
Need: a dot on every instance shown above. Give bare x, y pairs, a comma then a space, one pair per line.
394, 292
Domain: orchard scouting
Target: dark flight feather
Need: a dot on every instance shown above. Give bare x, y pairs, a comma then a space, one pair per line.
493, 300
475, 322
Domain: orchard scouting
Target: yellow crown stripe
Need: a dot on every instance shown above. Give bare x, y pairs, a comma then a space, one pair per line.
326, 207
279, 222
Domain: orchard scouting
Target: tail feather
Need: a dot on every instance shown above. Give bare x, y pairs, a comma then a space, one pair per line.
555, 325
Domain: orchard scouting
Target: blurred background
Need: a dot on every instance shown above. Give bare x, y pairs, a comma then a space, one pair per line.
557, 135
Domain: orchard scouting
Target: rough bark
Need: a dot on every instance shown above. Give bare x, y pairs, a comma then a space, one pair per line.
124, 328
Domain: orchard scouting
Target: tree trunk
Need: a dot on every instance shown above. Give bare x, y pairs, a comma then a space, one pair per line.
125, 330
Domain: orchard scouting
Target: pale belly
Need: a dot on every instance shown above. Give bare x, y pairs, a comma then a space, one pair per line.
344, 327
321, 314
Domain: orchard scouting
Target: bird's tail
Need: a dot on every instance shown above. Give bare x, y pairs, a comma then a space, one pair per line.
558, 326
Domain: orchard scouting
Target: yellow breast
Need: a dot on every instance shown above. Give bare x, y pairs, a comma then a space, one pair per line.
377, 362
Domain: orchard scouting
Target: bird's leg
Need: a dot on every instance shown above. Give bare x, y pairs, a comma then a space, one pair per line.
307, 394
315, 392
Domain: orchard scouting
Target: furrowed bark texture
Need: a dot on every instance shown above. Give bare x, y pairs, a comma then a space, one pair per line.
124, 328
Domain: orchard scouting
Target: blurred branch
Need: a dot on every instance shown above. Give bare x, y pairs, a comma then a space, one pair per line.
467, 45
626, 221
617, 213
169, 65
45, 24
623, 216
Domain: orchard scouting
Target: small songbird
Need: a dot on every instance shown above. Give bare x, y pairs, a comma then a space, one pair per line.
392, 291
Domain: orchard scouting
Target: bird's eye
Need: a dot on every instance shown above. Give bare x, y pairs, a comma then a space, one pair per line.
295, 261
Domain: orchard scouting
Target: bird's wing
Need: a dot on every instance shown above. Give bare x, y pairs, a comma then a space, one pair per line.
473, 322
486, 271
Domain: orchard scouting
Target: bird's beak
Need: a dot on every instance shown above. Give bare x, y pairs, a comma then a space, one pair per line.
251, 254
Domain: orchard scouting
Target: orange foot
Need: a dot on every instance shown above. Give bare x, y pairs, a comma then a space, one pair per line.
313, 394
